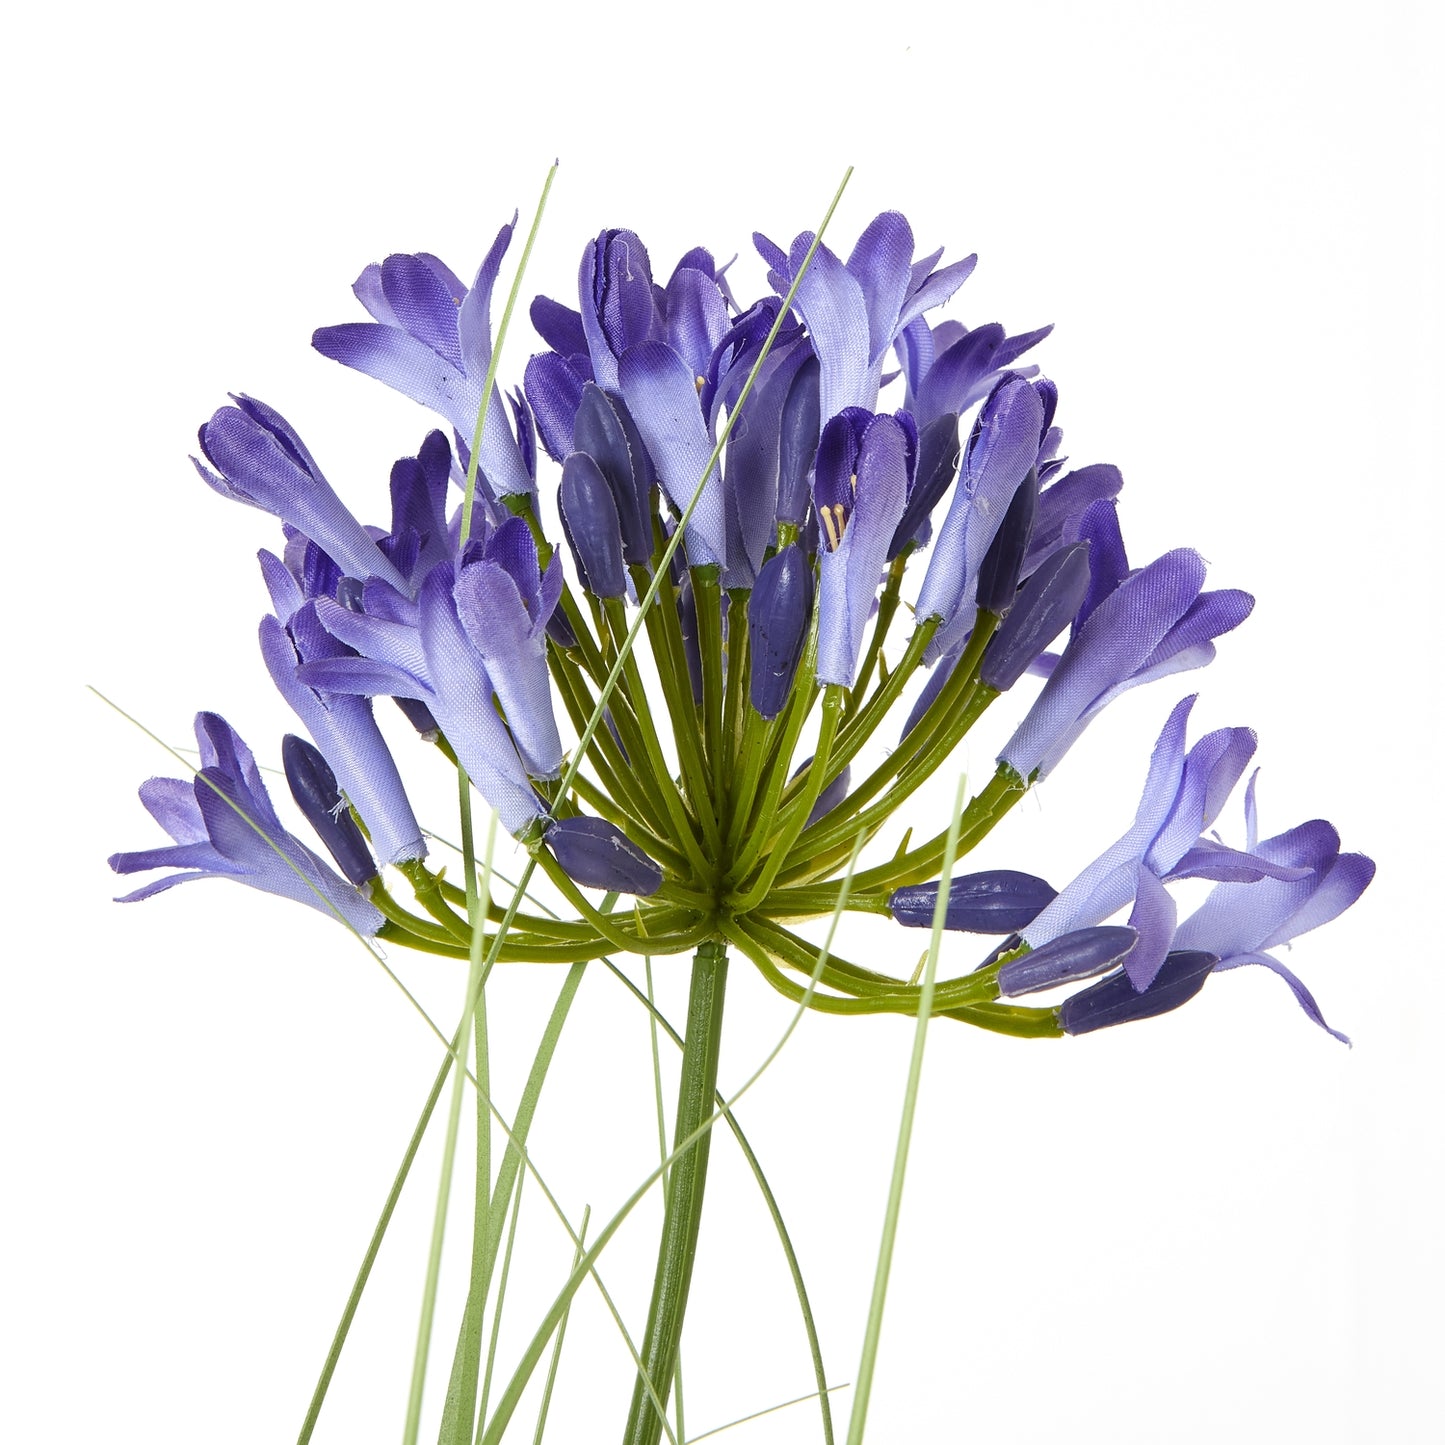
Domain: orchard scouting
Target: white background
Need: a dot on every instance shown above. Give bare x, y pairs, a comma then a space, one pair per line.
1219, 1224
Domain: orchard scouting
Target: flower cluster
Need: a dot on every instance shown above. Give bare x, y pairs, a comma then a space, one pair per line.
731, 498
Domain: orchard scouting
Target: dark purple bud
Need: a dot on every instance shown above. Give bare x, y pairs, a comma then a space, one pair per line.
313, 785
1114, 1000
1081, 954
998, 576
938, 455
687, 623
831, 795
780, 609
999, 901
1045, 606
798, 443
589, 519
598, 854
560, 631
418, 715
601, 431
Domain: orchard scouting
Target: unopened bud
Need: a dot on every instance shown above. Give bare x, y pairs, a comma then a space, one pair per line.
938, 455
998, 901
1082, 954
589, 520
780, 608
998, 576
313, 785
1114, 1000
798, 443
1045, 606
598, 854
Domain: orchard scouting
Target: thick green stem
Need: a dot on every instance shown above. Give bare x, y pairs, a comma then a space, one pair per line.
686, 1183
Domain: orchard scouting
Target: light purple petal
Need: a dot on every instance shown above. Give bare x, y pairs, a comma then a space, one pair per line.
1302, 995
661, 395
1153, 918
424, 306
494, 616
882, 264
405, 365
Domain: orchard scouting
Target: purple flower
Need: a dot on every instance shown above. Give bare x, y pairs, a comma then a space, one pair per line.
947, 369
223, 826
431, 340
1133, 627
345, 731
855, 310
473, 631
1002, 450
1240, 920
262, 462
1183, 795
859, 490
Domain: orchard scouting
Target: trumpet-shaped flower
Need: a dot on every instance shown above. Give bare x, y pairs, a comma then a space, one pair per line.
431, 340
859, 491
1146, 625
223, 825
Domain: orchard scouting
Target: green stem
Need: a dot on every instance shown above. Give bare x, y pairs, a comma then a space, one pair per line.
338, 1340
887, 606
794, 817
708, 596
682, 833
664, 637
686, 1183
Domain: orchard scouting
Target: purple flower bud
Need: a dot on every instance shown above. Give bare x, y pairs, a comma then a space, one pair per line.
1045, 606
938, 456
419, 715
780, 608
1114, 1000
831, 795
597, 854
798, 443
602, 431
1081, 954
589, 519
687, 624
998, 901
313, 785
998, 575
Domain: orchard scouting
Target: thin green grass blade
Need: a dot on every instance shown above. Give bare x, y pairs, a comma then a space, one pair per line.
859, 1415
475, 975
546, 1404
501, 1296
758, 1414
338, 1341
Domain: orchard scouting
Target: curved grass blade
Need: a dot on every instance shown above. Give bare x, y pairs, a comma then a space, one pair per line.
857, 1419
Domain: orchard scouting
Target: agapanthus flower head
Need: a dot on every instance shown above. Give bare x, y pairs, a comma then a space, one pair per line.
673, 678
